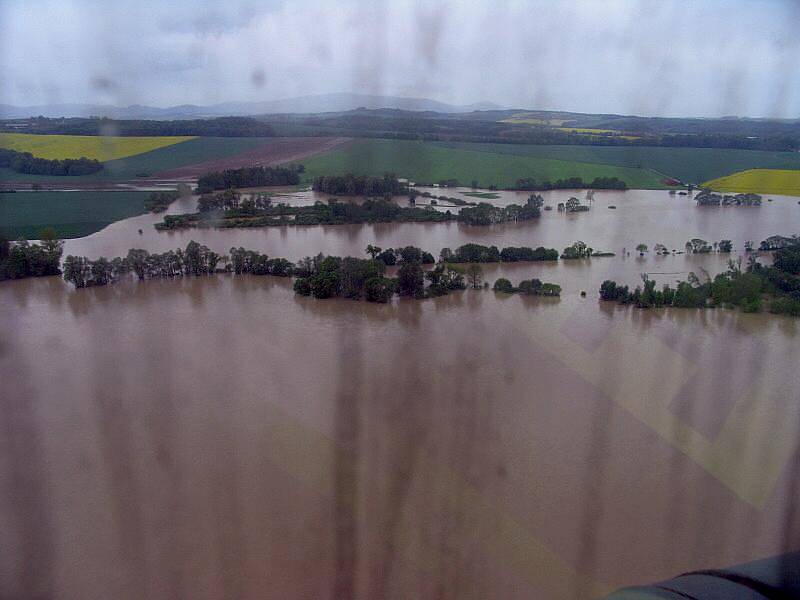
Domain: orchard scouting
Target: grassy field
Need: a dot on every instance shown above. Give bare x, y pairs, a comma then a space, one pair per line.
72, 214
102, 148
762, 181
693, 165
433, 162
191, 151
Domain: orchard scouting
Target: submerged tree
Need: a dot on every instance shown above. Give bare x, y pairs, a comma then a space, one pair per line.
475, 276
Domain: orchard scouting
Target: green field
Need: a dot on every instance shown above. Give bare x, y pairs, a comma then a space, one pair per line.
498, 164
72, 214
693, 165
189, 152
102, 148
432, 162
760, 181
75, 214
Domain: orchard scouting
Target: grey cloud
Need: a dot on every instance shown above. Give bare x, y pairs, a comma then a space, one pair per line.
667, 57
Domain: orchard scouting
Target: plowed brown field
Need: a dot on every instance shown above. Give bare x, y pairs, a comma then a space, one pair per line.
276, 151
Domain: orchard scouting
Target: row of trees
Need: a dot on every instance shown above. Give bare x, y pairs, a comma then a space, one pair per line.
25, 162
365, 279
249, 177
701, 246
531, 287
748, 289
231, 200
709, 198
255, 263
320, 213
195, 259
394, 256
227, 209
359, 185
571, 183
693, 246
698, 133
368, 211
219, 127
354, 278
488, 214
23, 259
731, 288
319, 276
476, 253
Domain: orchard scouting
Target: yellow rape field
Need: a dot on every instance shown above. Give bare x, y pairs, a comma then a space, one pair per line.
759, 181
101, 148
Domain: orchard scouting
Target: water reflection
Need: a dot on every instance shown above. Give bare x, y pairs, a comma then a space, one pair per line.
220, 437
643, 216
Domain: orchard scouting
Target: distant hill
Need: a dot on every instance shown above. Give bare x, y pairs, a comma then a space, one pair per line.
320, 103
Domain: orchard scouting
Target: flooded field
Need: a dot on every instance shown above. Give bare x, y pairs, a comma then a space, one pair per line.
221, 437
648, 217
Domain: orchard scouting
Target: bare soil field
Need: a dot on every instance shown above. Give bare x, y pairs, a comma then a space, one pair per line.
276, 151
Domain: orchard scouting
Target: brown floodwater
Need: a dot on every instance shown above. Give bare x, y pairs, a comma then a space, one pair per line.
641, 216
220, 437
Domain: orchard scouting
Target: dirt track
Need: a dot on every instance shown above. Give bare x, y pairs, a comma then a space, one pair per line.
275, 152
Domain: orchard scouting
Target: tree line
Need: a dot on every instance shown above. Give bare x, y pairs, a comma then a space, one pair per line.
25, 162
23, 259
365, 279
488, 214
701, 246
227, 211
359, 185
778, 284
477, 127
320, 276
249, 177
530, 287
349, 277
491, 127
194, 260
709, 198
571, 183
219, 127
320, 213
476, 253
230, 200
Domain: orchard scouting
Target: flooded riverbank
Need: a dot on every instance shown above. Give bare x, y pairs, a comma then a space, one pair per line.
641, 217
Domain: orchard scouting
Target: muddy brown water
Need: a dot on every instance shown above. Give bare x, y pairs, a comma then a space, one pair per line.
222, 438
641, 216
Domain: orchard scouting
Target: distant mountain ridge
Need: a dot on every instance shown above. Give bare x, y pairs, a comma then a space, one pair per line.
320, 103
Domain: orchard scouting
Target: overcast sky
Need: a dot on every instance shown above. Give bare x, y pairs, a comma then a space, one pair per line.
659, 57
